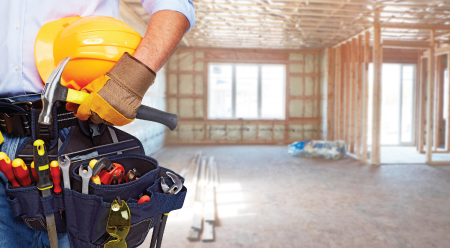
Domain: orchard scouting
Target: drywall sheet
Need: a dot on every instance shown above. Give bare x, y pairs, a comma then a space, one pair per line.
186, 107
249, 132
265, 132
234, 132
217, 132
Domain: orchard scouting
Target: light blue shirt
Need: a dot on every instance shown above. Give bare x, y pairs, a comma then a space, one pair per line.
20, 21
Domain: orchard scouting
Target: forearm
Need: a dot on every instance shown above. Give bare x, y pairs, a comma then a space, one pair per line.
165, 30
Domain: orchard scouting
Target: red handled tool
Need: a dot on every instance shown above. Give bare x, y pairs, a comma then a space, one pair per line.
6, 168
55, 172
144, 199
113, 174
33, 171
21, 172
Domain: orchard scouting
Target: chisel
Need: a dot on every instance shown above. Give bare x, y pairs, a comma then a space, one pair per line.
42, 168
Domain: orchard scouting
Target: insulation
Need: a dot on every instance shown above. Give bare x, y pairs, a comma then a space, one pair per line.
296, 108
296, 68
172, 105
186, 61
217, 132
265, 132
186, 107
296, 56
199, 132
234, 132
186, 84
249, 132
198, 108
278, 132
296, 132
186, 132
198, 84
309, 86
199, 55
173, 84
309, 63
296, 86
309, 108
198, 66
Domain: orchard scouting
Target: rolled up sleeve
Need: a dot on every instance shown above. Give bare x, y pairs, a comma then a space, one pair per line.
185, 7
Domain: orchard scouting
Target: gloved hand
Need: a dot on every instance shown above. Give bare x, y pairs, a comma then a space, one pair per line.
115, 97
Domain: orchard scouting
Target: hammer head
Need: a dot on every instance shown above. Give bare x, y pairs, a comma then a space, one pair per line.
53, 92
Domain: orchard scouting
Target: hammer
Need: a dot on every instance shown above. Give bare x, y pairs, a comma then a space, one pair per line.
54, 91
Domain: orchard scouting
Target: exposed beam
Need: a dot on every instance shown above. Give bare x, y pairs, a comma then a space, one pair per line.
416, 26
406, 44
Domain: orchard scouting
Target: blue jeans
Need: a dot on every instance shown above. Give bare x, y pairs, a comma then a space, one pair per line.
13, 231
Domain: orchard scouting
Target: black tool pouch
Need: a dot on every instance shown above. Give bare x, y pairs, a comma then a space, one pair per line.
84, 216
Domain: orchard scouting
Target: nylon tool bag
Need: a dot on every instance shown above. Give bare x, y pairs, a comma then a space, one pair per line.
84, 216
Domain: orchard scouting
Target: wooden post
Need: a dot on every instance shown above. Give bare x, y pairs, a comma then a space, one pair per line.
338, 100
423, 102
330, 98
447, 132
439, 102
430, 98
353, 95
348, 93
376, 118
343, 88
359, 102
366, 94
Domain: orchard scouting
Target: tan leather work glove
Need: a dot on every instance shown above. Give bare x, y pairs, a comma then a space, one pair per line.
115, 96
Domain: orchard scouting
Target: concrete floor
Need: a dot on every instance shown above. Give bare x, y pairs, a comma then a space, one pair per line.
408, 154
270, 199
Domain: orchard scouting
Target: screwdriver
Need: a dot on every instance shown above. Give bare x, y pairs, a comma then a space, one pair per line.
95, 178
55, 172
6, 168
33, 171
44, 185
21, 172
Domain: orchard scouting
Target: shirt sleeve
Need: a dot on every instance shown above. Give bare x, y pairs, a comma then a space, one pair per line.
185, 7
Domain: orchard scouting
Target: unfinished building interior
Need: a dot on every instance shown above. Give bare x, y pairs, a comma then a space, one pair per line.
255, 76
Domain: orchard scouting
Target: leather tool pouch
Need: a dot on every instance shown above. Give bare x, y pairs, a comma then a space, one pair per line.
82, 216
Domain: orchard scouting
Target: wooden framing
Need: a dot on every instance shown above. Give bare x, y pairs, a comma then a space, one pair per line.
447, 126
359, 88
366, 95
331, 94
338, 89
430, 92
376, 117
352, 111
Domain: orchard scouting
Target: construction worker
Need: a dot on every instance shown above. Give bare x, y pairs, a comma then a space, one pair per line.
20, 22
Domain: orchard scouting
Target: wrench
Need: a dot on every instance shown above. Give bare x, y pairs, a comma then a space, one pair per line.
158, 230
65, 165
86, 176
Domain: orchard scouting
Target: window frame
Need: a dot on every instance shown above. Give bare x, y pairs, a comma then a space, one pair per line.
259, 90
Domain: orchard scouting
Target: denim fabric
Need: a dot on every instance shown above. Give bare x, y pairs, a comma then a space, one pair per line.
13, 231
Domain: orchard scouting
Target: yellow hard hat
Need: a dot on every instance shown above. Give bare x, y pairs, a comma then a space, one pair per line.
94, 44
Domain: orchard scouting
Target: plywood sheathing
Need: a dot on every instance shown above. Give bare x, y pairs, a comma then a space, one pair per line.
187, 87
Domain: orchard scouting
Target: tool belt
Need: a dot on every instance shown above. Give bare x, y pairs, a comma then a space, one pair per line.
84, 216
